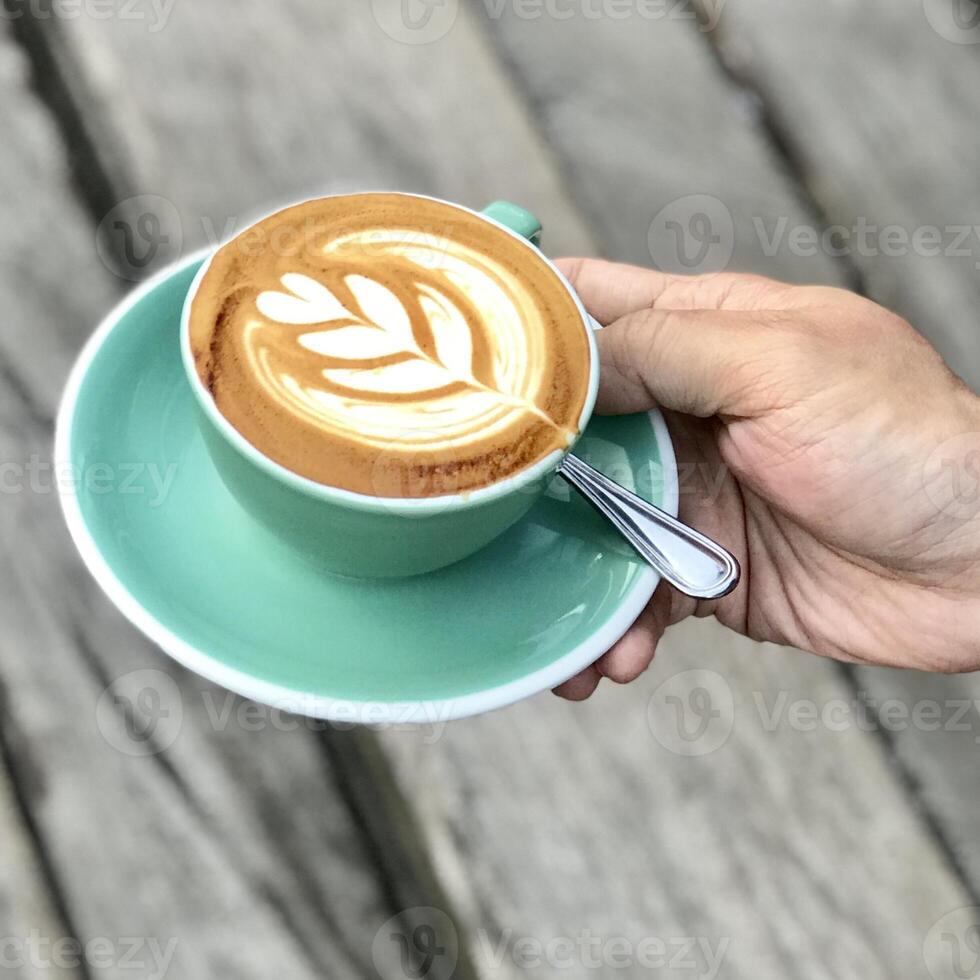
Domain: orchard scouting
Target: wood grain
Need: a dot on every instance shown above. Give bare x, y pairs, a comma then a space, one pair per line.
883, 134
886, 135
27, 909
337, 105
797, 853
742, 164
655, 127
236, 829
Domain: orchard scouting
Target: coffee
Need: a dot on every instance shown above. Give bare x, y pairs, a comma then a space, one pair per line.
391, 345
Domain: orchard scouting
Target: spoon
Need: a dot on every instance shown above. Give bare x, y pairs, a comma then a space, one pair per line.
691, 562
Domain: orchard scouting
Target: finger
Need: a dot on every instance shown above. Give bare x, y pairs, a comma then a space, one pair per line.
610, 290
581, 686
699, 362
635, 649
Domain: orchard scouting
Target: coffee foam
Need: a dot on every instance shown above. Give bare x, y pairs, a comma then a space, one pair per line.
390, 345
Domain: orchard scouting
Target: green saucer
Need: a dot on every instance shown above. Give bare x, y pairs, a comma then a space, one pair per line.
178, 556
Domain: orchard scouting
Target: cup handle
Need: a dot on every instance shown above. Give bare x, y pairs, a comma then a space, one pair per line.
517, 219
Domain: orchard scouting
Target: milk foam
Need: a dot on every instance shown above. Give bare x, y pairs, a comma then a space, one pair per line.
402, 339
379, 385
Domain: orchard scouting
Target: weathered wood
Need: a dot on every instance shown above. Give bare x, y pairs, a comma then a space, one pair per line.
641, 120
797, 846
727, 153
548, 820
28, 917
234, 845
884, 129
331, 104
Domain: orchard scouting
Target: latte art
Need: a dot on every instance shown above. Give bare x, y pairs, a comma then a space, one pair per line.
407, 348
420, 362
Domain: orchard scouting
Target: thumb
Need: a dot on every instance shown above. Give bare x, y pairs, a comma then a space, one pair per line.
699, 362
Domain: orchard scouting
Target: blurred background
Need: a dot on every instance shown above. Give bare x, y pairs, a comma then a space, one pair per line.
739, 812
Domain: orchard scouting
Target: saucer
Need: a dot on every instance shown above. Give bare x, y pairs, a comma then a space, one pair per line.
223, 596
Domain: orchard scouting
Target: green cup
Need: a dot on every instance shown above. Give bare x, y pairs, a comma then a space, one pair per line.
380, 537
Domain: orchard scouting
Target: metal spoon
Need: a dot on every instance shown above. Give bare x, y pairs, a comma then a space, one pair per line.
692, 563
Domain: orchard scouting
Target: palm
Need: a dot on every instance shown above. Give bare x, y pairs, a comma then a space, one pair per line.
790, 551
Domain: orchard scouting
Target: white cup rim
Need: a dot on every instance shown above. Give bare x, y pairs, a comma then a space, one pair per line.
413, 506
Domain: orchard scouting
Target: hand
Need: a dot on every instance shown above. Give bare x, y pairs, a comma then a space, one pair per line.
823, 441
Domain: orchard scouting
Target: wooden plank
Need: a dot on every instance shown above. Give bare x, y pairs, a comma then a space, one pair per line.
726, 152
884, 131
233, 850
884, 135
782, 843
655, 137
338, 105
29, 922
786, 852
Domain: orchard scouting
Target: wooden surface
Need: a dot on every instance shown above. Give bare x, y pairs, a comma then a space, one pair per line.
906, 98
792, 853
229, 833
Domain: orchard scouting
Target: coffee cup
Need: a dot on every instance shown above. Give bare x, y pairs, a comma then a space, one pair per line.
383, 534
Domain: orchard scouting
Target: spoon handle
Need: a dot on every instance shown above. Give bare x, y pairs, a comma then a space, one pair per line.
692, 563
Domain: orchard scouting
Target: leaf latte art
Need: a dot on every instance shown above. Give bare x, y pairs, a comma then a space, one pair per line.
391, 345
